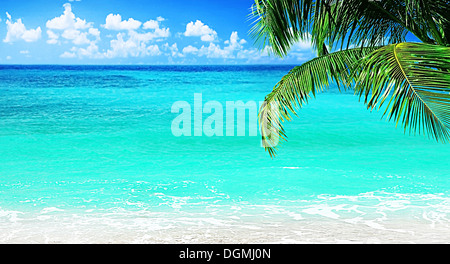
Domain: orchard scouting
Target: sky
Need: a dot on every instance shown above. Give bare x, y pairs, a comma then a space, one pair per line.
150, 32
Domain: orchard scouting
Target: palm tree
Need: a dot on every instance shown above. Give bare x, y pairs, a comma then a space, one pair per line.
370, 55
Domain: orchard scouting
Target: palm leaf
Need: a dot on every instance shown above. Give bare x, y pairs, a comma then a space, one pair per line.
415, 77
295, 88
280, 23
346, 23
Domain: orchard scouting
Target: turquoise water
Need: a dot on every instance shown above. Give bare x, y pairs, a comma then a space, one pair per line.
97, 141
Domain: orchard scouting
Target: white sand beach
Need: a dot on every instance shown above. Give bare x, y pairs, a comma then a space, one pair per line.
92, 230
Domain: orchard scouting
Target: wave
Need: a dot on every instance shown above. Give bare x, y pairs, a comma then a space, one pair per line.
371, 217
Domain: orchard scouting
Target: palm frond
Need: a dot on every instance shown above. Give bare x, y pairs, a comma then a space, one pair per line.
281, 23
368, 23
371, 23
348, 23
415, 77
295, 88
431, 17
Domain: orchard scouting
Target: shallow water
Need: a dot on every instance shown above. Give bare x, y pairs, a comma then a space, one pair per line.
87, 154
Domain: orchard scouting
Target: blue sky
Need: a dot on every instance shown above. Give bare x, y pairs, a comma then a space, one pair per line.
132, 32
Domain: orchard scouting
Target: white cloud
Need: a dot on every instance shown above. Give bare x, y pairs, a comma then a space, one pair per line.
75, 29
134, 46
156, 34
94, 32
121, 48
132, 43
135, 43
114, 22
77, 37
155, 25
254, 55
67, 20
68, 55
302, 49
198, 29
208, 38
214, 51
190, 49
161, 33
152, 50
18, 31
53, 37
235, 42
173, 49
32, 35
151, 24
233, 46
90, 51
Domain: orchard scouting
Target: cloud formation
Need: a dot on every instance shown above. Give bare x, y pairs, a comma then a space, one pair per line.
115, 22
198, 29
71, 28
18, 31
232, 46
134, 46
131, 38
136, 42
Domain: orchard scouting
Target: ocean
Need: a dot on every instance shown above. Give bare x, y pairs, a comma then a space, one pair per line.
88, 154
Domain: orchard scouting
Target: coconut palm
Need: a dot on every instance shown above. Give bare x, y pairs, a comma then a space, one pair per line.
360, 45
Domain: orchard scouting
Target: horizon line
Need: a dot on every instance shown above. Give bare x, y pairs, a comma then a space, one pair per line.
56, 64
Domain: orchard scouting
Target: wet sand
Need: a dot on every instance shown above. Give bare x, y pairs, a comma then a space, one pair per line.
209, 230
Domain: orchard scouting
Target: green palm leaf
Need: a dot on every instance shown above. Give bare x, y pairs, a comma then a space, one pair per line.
281, 23
360, 23
415, 78
295, 88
